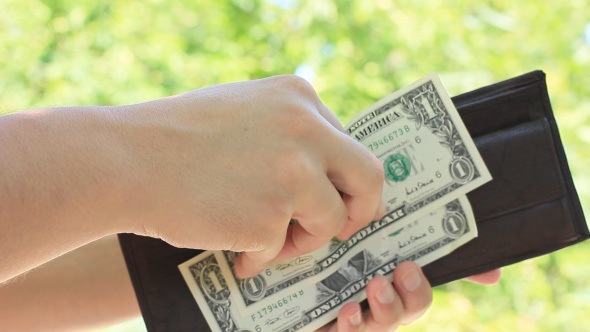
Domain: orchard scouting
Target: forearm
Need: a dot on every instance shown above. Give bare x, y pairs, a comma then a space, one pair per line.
78, 291
60, 180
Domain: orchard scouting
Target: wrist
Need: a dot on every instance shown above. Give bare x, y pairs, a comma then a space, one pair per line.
160, 139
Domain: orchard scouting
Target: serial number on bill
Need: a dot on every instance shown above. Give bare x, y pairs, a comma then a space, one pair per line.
279, 304
395, 133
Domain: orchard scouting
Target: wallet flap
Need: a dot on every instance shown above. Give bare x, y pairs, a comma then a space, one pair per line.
508, 152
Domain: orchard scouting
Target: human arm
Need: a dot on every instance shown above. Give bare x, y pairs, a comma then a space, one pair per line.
84, 289
223, 167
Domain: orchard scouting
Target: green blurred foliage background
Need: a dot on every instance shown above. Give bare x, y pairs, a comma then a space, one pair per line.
63, 53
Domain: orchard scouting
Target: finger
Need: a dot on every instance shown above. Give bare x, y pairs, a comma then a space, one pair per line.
414, 290
251, 263
487, 278
350, 319
352, 226
381, 210
358, 174
386, 305
323, 216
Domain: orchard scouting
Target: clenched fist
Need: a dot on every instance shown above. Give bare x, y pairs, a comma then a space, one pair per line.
228, 167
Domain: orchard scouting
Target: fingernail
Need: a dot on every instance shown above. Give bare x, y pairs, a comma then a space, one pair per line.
355, 320
386, 294
412, 280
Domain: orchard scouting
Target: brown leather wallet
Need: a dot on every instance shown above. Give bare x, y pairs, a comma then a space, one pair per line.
530, 208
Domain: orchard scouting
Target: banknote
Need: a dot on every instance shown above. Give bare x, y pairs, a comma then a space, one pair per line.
253, 286
312, 305
427, 153
429, 160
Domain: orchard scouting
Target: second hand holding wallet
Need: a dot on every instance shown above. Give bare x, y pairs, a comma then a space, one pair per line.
530, 208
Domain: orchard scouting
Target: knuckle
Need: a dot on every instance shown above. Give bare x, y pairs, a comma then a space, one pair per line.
297, 84
298, 115
295, 169
300, 122
334, 222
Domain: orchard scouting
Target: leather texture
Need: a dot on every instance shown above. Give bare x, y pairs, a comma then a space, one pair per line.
530, 208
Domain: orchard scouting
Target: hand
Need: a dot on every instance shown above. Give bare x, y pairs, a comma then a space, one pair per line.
228, 167
401, 303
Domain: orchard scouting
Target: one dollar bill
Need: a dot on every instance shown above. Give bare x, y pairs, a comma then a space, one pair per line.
427, 153
312, 305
